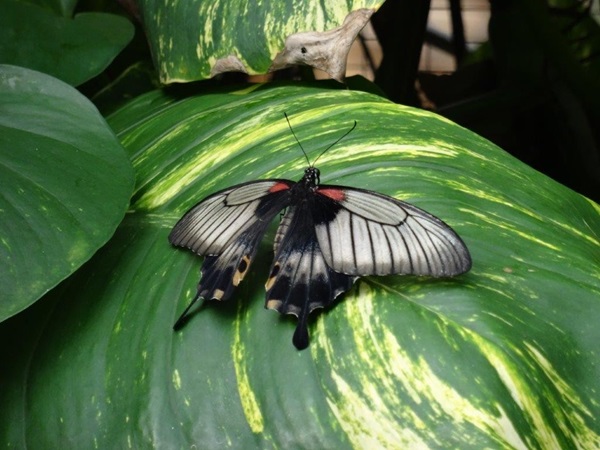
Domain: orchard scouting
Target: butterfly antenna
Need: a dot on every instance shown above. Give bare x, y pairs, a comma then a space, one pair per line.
339, 139
292, 130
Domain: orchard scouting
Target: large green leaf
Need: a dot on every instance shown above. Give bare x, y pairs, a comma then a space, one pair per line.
65, 183
196, 39
502, 357
72, 49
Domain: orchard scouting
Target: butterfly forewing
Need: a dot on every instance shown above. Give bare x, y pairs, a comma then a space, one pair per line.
227, 227
217, 221
366, 233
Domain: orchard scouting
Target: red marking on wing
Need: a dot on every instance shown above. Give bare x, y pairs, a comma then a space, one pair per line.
280, 186
334, 194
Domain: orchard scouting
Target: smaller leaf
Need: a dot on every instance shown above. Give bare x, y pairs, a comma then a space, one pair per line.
65, 183
73, 50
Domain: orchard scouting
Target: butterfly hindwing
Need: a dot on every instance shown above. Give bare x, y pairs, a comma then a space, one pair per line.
222, 273
366, 233
300, 280
227, 227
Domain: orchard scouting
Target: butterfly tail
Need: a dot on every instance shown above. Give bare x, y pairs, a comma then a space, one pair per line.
301, 338
183, 318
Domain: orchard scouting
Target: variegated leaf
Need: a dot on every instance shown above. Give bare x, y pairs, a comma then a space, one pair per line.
195, 39
502, 357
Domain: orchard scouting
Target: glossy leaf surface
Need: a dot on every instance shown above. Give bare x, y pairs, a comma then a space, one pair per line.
502, 357
194, 40
73, 49
65, 183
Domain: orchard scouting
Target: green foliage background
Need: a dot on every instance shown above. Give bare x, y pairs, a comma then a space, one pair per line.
65, 184
502, 357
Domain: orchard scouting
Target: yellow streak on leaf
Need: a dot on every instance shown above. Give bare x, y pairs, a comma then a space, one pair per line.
373, 414
213, 152
247, 398
570, 414
176, 380
367, 426
570, 420
512, 229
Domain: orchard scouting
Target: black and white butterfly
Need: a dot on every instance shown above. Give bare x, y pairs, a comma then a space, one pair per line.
328, 237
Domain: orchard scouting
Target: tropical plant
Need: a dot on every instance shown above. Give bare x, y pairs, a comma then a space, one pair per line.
502, 357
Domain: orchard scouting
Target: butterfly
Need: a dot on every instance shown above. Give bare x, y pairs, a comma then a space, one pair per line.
328, 237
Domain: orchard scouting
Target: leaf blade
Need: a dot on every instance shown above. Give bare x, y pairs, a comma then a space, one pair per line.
65, 184
476, 361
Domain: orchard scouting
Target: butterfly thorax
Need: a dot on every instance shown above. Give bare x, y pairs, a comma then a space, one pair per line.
311, 178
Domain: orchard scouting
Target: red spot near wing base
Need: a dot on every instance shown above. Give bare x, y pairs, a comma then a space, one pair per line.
280, 186
334, 194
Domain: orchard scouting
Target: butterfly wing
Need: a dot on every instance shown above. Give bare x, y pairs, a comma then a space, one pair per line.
300, 280
227, 227
328, 237
362, 232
